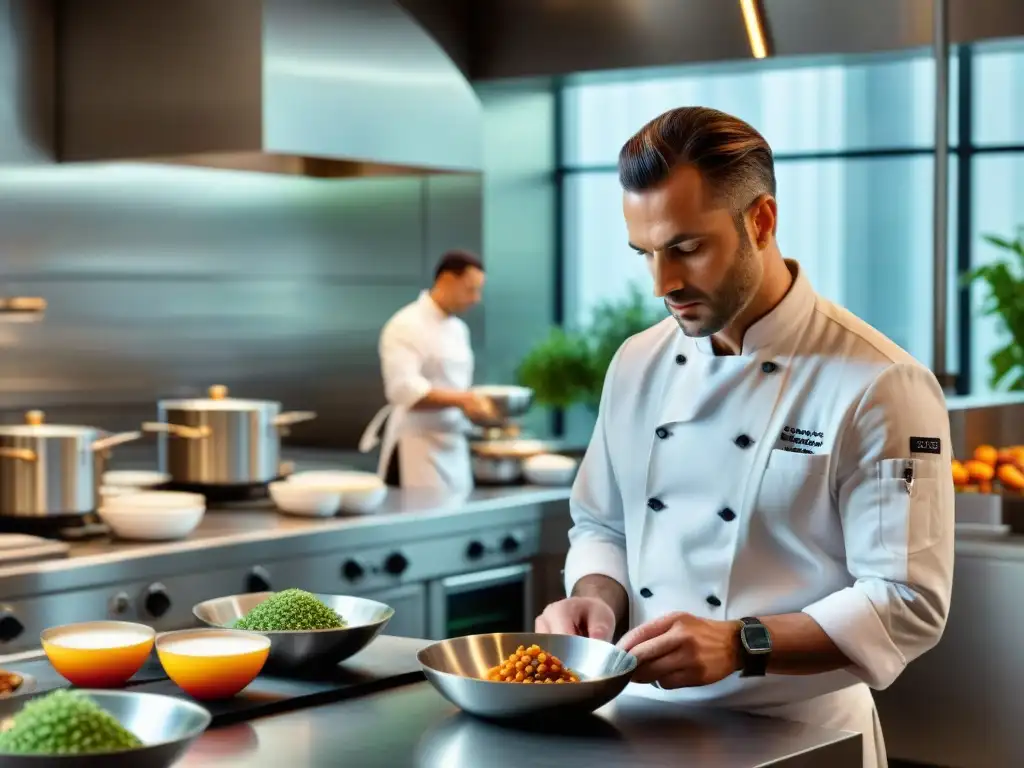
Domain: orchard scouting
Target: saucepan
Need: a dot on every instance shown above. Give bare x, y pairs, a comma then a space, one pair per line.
222, 440
53, 469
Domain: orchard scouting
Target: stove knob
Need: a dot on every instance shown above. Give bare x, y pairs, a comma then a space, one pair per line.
10, 627
258, 580
475, 550
396, 564
352, 570
509, 544
157, 601
120, 604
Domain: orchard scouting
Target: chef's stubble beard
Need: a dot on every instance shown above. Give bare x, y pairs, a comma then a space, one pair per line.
737, 289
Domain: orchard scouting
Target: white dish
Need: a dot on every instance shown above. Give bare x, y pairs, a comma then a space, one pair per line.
156, 501
549, 469
130, 478
361, 492
305, 499
154, 524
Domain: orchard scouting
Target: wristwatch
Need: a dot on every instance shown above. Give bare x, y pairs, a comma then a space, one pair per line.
756, 647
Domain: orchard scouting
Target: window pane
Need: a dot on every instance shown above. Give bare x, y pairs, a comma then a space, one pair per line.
861, 229
998, 209
999, 95
886, 103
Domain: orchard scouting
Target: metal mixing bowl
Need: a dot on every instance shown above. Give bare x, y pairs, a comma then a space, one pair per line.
166, 725
457, 668
365, 620
510, 402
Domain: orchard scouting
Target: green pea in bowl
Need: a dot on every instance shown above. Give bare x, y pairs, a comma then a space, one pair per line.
298, 650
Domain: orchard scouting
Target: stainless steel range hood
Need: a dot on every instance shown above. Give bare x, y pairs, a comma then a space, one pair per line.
313, 87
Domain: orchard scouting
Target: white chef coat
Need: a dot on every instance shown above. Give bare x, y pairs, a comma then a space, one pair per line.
771, 482
422, 348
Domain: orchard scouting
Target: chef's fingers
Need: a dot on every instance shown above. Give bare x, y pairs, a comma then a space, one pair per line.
647, 631
598, 628
672, 642
559, 619
662, 668
541, 626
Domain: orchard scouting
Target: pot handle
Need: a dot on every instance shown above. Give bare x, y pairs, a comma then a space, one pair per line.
177, 430
105, 443
22, 454
288, 418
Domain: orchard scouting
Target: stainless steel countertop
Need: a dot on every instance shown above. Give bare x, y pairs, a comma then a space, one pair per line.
250, 531
413, 725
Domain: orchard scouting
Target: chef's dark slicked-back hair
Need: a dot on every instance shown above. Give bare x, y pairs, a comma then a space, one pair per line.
729, 154
457, 262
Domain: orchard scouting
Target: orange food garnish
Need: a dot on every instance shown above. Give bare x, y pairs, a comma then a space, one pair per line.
960, 474
986, 454
1011, 476
980, 471
532, 665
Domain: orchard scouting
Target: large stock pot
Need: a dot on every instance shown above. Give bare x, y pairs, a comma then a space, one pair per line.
221, 440
53, 469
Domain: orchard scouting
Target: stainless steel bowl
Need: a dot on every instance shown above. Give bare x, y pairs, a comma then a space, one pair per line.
510, 402
457, 668
300, 650
166, 725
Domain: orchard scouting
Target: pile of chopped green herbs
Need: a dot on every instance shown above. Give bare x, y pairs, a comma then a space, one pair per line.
64, 722
292, 610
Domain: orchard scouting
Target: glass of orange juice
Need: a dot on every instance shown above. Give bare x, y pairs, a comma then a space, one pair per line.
98, 654
212, 663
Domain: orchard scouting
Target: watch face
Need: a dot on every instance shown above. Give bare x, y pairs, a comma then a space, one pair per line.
756, 639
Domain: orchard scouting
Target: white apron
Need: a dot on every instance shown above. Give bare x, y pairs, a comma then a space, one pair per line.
433, 459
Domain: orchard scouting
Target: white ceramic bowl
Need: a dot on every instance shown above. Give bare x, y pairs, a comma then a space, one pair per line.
549, 469
305, 499
155, 500
131, 478
361, 492
154, 524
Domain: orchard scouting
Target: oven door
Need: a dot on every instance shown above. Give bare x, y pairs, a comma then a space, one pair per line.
498, 600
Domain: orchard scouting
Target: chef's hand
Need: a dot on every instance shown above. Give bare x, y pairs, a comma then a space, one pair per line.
680, 650
584, 616
477, 407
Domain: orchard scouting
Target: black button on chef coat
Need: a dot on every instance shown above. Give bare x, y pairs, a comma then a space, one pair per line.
656, 504
743, 441
727, 514
661, 432
645, 592
769, 367
680, 359
712, 600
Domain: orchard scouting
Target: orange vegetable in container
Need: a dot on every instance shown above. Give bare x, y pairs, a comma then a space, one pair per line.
980, 471
986, 454
960, 474
1011, 477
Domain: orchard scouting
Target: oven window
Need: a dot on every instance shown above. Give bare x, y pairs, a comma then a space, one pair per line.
495, 608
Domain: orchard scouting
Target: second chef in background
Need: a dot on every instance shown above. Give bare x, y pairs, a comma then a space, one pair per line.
427, 366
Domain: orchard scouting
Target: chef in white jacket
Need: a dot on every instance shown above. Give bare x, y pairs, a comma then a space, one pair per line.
427, 366
766, 503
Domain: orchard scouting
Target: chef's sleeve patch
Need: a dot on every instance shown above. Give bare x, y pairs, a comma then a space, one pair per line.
931, 445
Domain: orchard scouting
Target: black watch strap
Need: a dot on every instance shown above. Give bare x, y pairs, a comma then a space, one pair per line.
754, 664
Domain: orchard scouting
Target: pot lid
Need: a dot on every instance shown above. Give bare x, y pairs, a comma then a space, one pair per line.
34, 427
219, 401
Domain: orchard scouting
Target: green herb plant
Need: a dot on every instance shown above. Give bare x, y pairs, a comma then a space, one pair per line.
1005, 282
567, 367
291, 610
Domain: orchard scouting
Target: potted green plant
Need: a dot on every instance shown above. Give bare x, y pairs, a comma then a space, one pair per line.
1005, 300
567, 367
